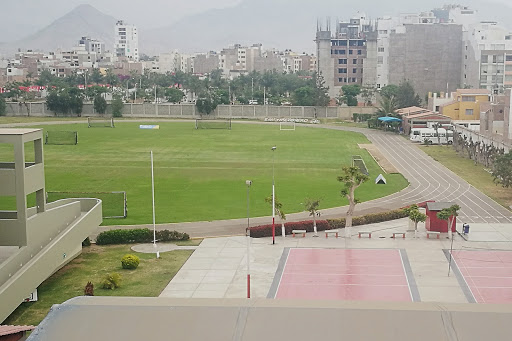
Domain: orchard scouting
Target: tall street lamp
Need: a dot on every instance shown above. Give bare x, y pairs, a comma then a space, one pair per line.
248, 233
273, 199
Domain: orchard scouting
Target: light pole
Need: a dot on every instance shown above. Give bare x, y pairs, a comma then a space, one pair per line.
273, 199
248, 234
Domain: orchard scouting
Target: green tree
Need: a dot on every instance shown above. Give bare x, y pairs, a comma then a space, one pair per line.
117, 106
406, 96
311, 205
349, 94
111, 78
278, 211
352, 178
368, 94
448, 215
3, 106
207, 102
304, 96
96, 76
76, 102
415, 216
100, 104
502, 170
389, 91
322, 92
174, 95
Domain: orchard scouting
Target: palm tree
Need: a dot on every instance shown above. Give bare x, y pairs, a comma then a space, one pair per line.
388, 105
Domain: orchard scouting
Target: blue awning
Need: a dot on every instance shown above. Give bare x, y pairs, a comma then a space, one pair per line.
389, 119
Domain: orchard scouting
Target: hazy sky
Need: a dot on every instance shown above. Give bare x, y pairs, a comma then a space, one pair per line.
23, 17
27, 16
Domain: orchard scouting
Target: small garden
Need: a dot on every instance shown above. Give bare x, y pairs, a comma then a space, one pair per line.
105, 270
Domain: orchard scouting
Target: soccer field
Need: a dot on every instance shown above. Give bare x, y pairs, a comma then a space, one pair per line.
200, 174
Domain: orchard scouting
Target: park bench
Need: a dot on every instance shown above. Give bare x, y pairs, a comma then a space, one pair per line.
435, 233
299, 232
398, 233
327, 232
362, 233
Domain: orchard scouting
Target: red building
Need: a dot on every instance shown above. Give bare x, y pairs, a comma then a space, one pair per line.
433, 223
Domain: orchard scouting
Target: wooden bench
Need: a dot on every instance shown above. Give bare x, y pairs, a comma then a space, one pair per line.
299, 232
361, 233
397, 233
435, 233
327, 232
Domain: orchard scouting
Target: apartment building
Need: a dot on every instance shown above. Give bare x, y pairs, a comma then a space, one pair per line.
462, 105
126, 41
340, 56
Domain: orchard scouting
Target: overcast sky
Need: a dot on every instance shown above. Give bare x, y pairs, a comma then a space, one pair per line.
23, 17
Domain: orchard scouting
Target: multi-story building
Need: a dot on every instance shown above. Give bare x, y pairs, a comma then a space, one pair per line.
126, 41
461, 105
340, 57
92, 45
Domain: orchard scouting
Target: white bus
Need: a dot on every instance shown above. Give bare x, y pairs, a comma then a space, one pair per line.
429, 135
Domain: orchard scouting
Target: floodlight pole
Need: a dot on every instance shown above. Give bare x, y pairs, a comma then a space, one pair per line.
248, 234
273, 199
153, 195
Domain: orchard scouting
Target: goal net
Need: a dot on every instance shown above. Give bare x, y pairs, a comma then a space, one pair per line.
61, 137
113, 203
93, 122
220, 123
357, 161
287, 125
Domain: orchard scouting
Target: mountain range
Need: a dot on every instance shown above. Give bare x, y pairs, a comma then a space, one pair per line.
283, 24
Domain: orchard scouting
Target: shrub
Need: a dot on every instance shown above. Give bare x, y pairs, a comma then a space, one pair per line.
130, 262
127, 236
266, 230
86, 242
89, 289
111, 281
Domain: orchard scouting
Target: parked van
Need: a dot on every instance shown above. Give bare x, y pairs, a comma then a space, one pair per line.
429, 135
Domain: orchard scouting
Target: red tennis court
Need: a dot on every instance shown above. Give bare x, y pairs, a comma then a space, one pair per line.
341, 274
488, 274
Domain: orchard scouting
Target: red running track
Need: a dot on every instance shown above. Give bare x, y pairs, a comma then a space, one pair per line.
488, 274
341, 274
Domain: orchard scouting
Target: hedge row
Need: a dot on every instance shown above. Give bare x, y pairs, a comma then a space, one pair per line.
127, 236
322, 225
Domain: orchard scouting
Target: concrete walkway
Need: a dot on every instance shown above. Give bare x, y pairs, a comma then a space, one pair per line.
217, 269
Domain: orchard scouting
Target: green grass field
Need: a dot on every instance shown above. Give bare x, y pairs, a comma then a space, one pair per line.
200, 174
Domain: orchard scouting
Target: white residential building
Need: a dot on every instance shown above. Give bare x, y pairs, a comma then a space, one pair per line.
126, 41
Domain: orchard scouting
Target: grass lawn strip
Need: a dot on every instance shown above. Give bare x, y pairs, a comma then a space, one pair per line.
476, 175
95, 262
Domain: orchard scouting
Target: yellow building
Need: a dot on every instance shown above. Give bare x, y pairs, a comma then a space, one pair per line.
465, 104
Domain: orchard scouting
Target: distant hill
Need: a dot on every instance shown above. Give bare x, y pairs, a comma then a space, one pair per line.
65, 32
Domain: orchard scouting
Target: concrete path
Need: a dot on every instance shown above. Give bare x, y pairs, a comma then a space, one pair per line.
217, 269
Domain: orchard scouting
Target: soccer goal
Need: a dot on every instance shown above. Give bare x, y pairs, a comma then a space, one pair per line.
219, 123
287, 125
113, 203
357, 161
61, 137
94, 122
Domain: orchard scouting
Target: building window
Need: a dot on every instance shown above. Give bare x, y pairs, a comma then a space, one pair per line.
350, 51
342, 70
380, 60
354, 61
468, 99
354, 70
485, 58
509, 58
354, 80
343, 52
342, 61
469, 112
359, 52
380, 49
378, 86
